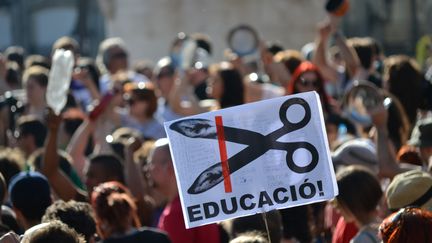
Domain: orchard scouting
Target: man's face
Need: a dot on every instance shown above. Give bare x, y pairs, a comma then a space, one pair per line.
158, 168
118, 59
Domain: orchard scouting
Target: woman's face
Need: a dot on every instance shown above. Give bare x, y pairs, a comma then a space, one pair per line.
215, 87
35, 92
308, 82
165, 81
137, 107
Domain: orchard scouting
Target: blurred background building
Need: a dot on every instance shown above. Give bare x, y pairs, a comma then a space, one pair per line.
149, 26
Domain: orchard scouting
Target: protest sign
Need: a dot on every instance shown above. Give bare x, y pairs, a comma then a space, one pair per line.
251, 159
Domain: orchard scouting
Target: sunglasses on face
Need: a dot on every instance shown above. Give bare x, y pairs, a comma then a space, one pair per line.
305, 82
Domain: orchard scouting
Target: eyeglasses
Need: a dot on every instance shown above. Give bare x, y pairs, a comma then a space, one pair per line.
309, 83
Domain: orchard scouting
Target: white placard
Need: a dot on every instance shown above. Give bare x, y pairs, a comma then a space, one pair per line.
277, 157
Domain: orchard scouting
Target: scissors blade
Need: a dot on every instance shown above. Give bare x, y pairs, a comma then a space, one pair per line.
195, 128
203, 128
212, 176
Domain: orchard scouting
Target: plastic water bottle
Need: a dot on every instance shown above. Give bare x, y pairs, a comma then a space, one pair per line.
59, 79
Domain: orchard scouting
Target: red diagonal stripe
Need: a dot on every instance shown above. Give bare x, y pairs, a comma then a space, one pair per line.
223, 153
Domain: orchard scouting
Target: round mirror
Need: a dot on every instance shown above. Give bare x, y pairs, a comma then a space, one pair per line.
243, 40
360, 100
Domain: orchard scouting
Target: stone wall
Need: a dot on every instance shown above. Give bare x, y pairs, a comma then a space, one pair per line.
149, 26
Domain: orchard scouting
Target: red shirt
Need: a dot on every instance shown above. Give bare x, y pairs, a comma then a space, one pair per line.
172, 222
344, 231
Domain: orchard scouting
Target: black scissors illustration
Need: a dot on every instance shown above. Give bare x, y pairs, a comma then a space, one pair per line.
258, 144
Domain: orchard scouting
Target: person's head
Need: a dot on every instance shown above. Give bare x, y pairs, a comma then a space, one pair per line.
13, 75
15, 54
226, 85
290, 58
403, 78
407, 225
52, 232
88, 64
37, 60
141, 98
120, 137
11, 163
115, 208
102, 168
307, 77
30, 134
250, 237
421, 137
256, 223
30, 195
161, 169
359, 194
203, 41
144, 67
112, 56
357, 152
164, 75
76, 215
67, 43
35, 80
410, 189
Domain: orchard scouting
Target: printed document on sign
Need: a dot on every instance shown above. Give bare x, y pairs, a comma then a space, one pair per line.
251, 159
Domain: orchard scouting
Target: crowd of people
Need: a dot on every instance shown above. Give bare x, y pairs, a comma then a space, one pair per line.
101, 170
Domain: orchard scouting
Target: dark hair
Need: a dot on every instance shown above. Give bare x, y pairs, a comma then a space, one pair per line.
359, 190
111, 164
90, 65
274, 47
233, 87
146, 94
296, 223
256, 223
76, 215
38, 73
290, 58
407, 225
66, 43
112, 203
404, 81
203, 41
54, 232
365, 49
15, 54
10, 163
65, 164
13, 74
30, 125
37, 60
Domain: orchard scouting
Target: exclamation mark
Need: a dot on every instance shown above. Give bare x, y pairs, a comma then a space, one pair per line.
320, 188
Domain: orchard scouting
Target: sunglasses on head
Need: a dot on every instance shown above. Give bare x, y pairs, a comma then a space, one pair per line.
306, 82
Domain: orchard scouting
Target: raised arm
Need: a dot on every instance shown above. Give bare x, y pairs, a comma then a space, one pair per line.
77, 145
320, 56
61, 184
349, 55
182, 100
388, 166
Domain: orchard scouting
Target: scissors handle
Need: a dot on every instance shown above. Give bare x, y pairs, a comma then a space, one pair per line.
290, 148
